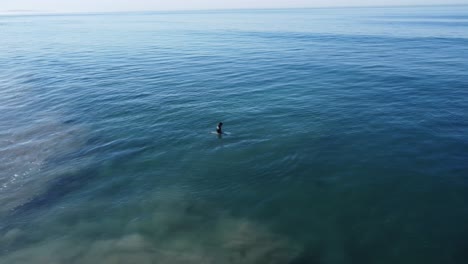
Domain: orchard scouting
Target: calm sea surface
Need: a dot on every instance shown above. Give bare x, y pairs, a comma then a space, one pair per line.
347, 137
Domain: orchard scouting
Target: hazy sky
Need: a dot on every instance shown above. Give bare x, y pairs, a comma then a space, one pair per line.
137, 5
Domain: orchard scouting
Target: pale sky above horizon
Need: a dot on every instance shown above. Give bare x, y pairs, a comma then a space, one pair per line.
147, 5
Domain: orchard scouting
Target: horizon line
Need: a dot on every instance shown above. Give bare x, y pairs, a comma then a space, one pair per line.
43, 12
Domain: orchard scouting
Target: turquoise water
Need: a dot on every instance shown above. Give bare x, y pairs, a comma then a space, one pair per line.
347, 137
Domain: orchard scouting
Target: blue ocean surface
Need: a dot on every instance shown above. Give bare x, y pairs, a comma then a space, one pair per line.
347, 137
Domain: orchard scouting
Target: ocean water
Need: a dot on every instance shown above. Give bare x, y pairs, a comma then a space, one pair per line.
348, 137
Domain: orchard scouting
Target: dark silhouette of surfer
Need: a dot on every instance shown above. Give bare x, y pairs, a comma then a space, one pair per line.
219, 128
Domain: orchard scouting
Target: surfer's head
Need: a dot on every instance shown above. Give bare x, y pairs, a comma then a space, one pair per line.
220, 124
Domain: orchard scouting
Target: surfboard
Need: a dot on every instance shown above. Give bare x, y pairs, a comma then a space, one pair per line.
224, 133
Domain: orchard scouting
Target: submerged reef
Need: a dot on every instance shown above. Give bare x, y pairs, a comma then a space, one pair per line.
174, 229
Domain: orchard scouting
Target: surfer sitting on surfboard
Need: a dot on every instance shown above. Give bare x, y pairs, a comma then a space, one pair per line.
218, 128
